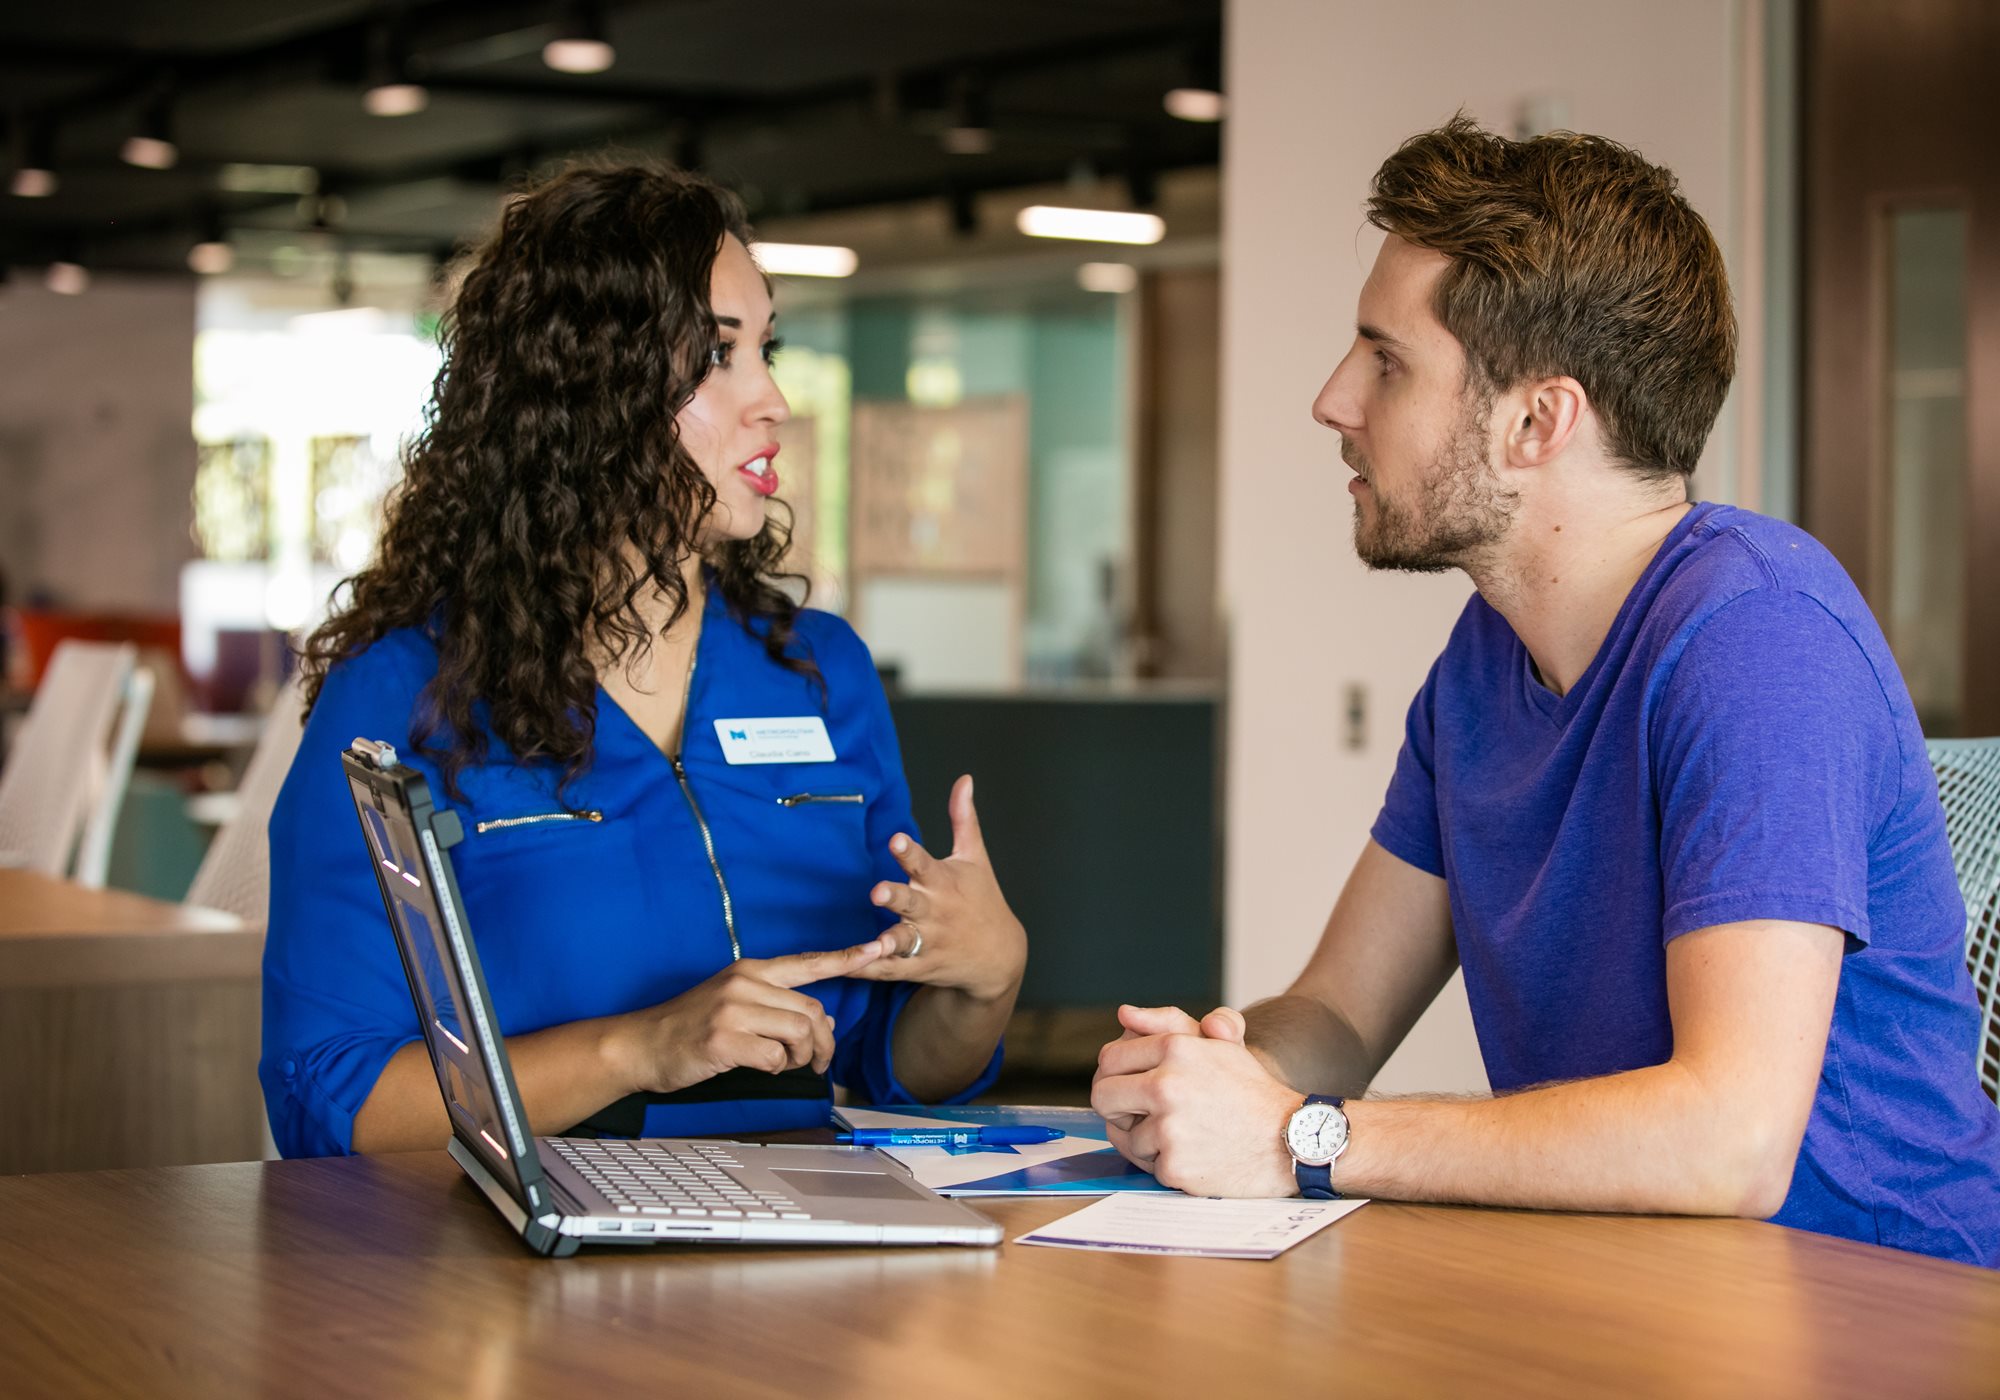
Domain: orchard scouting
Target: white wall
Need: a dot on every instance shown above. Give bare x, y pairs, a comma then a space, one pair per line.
97, 450
1320, 92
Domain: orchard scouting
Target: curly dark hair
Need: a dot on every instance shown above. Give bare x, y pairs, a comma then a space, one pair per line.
549, 488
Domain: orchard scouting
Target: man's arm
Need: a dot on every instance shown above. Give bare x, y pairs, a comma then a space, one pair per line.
1713, 1131
1386, 951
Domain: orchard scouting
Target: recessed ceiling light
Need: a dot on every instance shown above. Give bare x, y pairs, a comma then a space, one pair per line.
33, 182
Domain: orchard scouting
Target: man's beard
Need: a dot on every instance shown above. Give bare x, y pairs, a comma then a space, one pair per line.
1460, 512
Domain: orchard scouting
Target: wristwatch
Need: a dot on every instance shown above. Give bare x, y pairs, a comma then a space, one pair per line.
1316, 1135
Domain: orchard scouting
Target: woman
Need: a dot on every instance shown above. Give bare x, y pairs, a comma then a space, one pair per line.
572, 628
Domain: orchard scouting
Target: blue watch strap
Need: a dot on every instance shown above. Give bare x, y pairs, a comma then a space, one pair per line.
1316, 1182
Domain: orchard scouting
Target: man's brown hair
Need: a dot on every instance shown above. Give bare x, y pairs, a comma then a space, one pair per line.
1573, 255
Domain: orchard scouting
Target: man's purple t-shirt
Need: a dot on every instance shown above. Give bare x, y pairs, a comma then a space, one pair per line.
1743, 747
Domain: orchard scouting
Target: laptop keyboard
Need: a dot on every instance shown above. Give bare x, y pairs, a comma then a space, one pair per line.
690, 1179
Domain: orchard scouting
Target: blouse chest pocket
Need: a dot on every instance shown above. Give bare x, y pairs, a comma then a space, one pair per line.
793, 842
541, 881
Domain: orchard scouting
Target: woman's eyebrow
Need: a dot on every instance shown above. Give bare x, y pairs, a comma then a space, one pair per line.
735, 324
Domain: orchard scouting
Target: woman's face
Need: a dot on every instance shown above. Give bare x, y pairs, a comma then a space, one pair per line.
730, 426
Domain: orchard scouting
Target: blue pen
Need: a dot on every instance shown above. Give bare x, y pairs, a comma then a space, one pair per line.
950, 1137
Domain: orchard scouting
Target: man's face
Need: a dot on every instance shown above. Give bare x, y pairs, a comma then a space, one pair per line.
1426, 496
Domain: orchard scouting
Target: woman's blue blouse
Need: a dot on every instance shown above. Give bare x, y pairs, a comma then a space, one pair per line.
583, 918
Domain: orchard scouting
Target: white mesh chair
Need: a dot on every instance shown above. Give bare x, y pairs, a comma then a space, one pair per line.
1968, 774
69, 764
235, 875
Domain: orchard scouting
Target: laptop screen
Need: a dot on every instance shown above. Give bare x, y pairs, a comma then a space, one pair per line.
421, 896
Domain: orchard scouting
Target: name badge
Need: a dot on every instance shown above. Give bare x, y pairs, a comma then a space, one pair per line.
799, 740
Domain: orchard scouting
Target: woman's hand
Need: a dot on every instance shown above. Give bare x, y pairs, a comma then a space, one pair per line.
745, 1016
957, 930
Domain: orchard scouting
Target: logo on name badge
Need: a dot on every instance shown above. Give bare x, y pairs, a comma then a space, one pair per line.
789, 739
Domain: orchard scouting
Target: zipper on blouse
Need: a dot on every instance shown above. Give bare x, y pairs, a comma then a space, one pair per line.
800, 799
503, 823
701, 824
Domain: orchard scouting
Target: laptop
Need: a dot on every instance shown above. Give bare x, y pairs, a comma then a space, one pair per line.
561, 1193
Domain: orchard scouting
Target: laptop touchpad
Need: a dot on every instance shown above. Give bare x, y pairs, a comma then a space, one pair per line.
878, 1185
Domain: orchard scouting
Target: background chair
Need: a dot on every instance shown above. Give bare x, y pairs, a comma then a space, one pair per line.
1968, 773
69, 763
235, 875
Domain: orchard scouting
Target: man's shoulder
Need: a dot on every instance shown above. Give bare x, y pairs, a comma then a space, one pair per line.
1739, 560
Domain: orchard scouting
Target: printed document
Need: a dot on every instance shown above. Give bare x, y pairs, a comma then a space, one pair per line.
1194, 1225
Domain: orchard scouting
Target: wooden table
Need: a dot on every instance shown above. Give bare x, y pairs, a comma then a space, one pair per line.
128, 1029
391, 1276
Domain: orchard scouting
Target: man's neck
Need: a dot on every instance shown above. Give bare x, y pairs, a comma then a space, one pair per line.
1566, 568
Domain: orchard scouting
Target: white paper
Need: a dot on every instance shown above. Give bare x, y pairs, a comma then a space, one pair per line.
1195, 1225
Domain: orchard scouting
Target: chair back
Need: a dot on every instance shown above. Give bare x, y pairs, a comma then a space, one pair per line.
69, 763
235, 875
1968, 774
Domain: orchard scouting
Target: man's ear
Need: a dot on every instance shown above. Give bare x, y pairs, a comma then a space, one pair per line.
1546, 416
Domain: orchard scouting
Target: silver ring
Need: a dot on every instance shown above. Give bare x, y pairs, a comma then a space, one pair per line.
916, 947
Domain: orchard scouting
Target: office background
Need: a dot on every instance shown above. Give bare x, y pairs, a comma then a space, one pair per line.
206, 447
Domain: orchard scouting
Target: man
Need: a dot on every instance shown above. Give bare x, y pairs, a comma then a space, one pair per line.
1663, 795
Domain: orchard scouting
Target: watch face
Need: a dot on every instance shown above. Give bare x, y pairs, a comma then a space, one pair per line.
1317, 1133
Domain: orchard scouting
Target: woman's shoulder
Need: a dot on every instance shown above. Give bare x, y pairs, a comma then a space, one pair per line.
395, 666
832, 643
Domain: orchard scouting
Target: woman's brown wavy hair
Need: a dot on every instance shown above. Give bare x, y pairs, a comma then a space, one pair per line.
548, 488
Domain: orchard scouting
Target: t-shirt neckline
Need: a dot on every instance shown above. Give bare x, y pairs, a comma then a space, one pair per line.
1560, 709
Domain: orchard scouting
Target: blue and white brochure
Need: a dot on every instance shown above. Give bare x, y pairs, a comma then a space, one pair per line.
1082, 1162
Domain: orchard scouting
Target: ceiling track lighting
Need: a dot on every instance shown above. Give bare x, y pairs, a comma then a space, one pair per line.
390, 91
581, 44
152, 147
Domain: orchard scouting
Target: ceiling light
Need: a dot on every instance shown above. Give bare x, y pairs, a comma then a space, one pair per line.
804, 259
1197, 97
967, 140
1094, 225
389, 91
34, 164
268, 179
152, 146
211, 259
580, 44
68, 278
212, 256
970, 132
1192, 104
396, 99
1107, 277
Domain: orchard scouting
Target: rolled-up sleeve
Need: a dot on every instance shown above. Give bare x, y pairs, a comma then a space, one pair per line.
336, 1002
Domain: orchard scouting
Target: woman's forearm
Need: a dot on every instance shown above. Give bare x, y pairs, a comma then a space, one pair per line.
944, 1038
565, 1074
